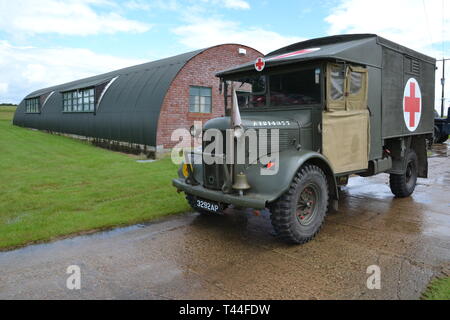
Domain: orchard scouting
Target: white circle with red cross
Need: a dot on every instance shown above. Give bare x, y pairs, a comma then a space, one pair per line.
412, 104
260, 63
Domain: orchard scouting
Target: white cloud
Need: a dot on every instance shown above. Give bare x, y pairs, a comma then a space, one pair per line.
236, 4
417, 24
25, 69
154, 4
201, 32
229, 4
3, 88
71, 17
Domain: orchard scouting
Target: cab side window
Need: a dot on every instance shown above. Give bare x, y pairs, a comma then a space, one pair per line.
356, 81
346, 87
337, 81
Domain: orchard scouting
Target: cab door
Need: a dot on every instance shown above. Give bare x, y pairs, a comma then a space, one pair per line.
345, 121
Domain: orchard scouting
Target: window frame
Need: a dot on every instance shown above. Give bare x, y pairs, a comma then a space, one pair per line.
74, 96
294, 70
36, 104
284, 70
200, 96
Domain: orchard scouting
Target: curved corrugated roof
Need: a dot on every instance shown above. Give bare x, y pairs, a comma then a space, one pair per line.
129, 110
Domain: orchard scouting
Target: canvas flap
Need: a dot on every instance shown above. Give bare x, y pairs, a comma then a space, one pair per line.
356, 88
345, 139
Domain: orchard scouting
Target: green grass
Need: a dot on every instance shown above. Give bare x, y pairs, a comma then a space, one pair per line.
7, 112
53, 186
438, 289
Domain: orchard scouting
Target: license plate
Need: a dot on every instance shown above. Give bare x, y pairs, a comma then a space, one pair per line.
208, 205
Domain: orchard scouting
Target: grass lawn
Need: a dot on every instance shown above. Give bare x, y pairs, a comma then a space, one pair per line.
438, 289
6, 113
52, 186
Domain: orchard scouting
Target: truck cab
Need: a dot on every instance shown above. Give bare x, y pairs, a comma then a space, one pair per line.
306, 117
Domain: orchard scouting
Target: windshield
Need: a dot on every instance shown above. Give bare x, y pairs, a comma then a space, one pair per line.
302, 87
296, 88
251, 91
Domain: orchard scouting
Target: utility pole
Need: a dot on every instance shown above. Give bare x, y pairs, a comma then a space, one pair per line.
443, 86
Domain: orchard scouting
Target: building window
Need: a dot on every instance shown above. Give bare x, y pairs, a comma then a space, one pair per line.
81, 100
32, 105
200, 99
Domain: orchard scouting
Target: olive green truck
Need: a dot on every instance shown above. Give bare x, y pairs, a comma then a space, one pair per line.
338, 106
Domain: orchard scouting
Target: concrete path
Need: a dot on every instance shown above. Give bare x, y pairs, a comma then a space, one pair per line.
235, 256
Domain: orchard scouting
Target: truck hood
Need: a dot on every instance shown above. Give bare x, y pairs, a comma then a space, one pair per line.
266, 121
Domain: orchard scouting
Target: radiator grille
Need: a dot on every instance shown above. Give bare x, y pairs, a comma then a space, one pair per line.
213, 174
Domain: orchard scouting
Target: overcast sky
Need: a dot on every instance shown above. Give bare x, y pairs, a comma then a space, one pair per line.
47, 42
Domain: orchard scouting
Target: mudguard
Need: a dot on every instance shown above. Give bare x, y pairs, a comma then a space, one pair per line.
267, 188
290, 161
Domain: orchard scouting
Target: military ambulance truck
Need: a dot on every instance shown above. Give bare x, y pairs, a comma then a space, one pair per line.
342, 105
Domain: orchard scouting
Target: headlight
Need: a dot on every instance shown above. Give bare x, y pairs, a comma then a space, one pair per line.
238, 132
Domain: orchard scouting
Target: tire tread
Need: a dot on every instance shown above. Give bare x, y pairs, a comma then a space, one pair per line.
281, 209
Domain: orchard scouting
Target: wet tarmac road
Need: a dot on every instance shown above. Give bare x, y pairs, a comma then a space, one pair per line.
235, 256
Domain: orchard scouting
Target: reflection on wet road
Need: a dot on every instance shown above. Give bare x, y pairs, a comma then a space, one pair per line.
236, 256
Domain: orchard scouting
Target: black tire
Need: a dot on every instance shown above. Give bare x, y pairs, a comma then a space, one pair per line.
403, 185
436, 134
442, 138
298, 215
192, 200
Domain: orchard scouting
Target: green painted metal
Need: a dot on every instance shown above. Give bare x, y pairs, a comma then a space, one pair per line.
388, 72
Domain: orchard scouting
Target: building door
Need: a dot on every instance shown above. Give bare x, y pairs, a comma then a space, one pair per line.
346, 121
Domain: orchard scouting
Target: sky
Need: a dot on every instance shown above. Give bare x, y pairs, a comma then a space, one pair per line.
49, 42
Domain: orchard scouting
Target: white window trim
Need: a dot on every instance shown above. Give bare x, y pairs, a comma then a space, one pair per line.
104, 91
46, 99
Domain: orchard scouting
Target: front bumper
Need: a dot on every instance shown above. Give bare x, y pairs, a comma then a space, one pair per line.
247, 201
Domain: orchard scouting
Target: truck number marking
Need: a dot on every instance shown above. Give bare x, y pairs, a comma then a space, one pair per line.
207, 205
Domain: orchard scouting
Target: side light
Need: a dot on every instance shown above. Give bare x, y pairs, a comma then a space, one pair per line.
185, 169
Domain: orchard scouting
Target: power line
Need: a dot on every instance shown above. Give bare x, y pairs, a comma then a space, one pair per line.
427, 21
443, 29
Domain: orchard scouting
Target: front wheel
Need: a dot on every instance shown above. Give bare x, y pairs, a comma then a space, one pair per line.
403, 185
298, 215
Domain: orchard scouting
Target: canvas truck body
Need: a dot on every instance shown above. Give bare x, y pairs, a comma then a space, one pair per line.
342, 105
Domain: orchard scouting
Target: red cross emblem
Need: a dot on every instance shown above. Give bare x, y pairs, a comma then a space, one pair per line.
412, 104
260, 64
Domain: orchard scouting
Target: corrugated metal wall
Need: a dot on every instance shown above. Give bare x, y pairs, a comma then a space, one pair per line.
129, 110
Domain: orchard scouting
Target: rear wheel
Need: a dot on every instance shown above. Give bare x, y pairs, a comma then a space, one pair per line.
442, 138
403, 185
439, 137
436, 134
299, 214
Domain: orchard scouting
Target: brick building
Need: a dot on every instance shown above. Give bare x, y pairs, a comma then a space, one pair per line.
139, 105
